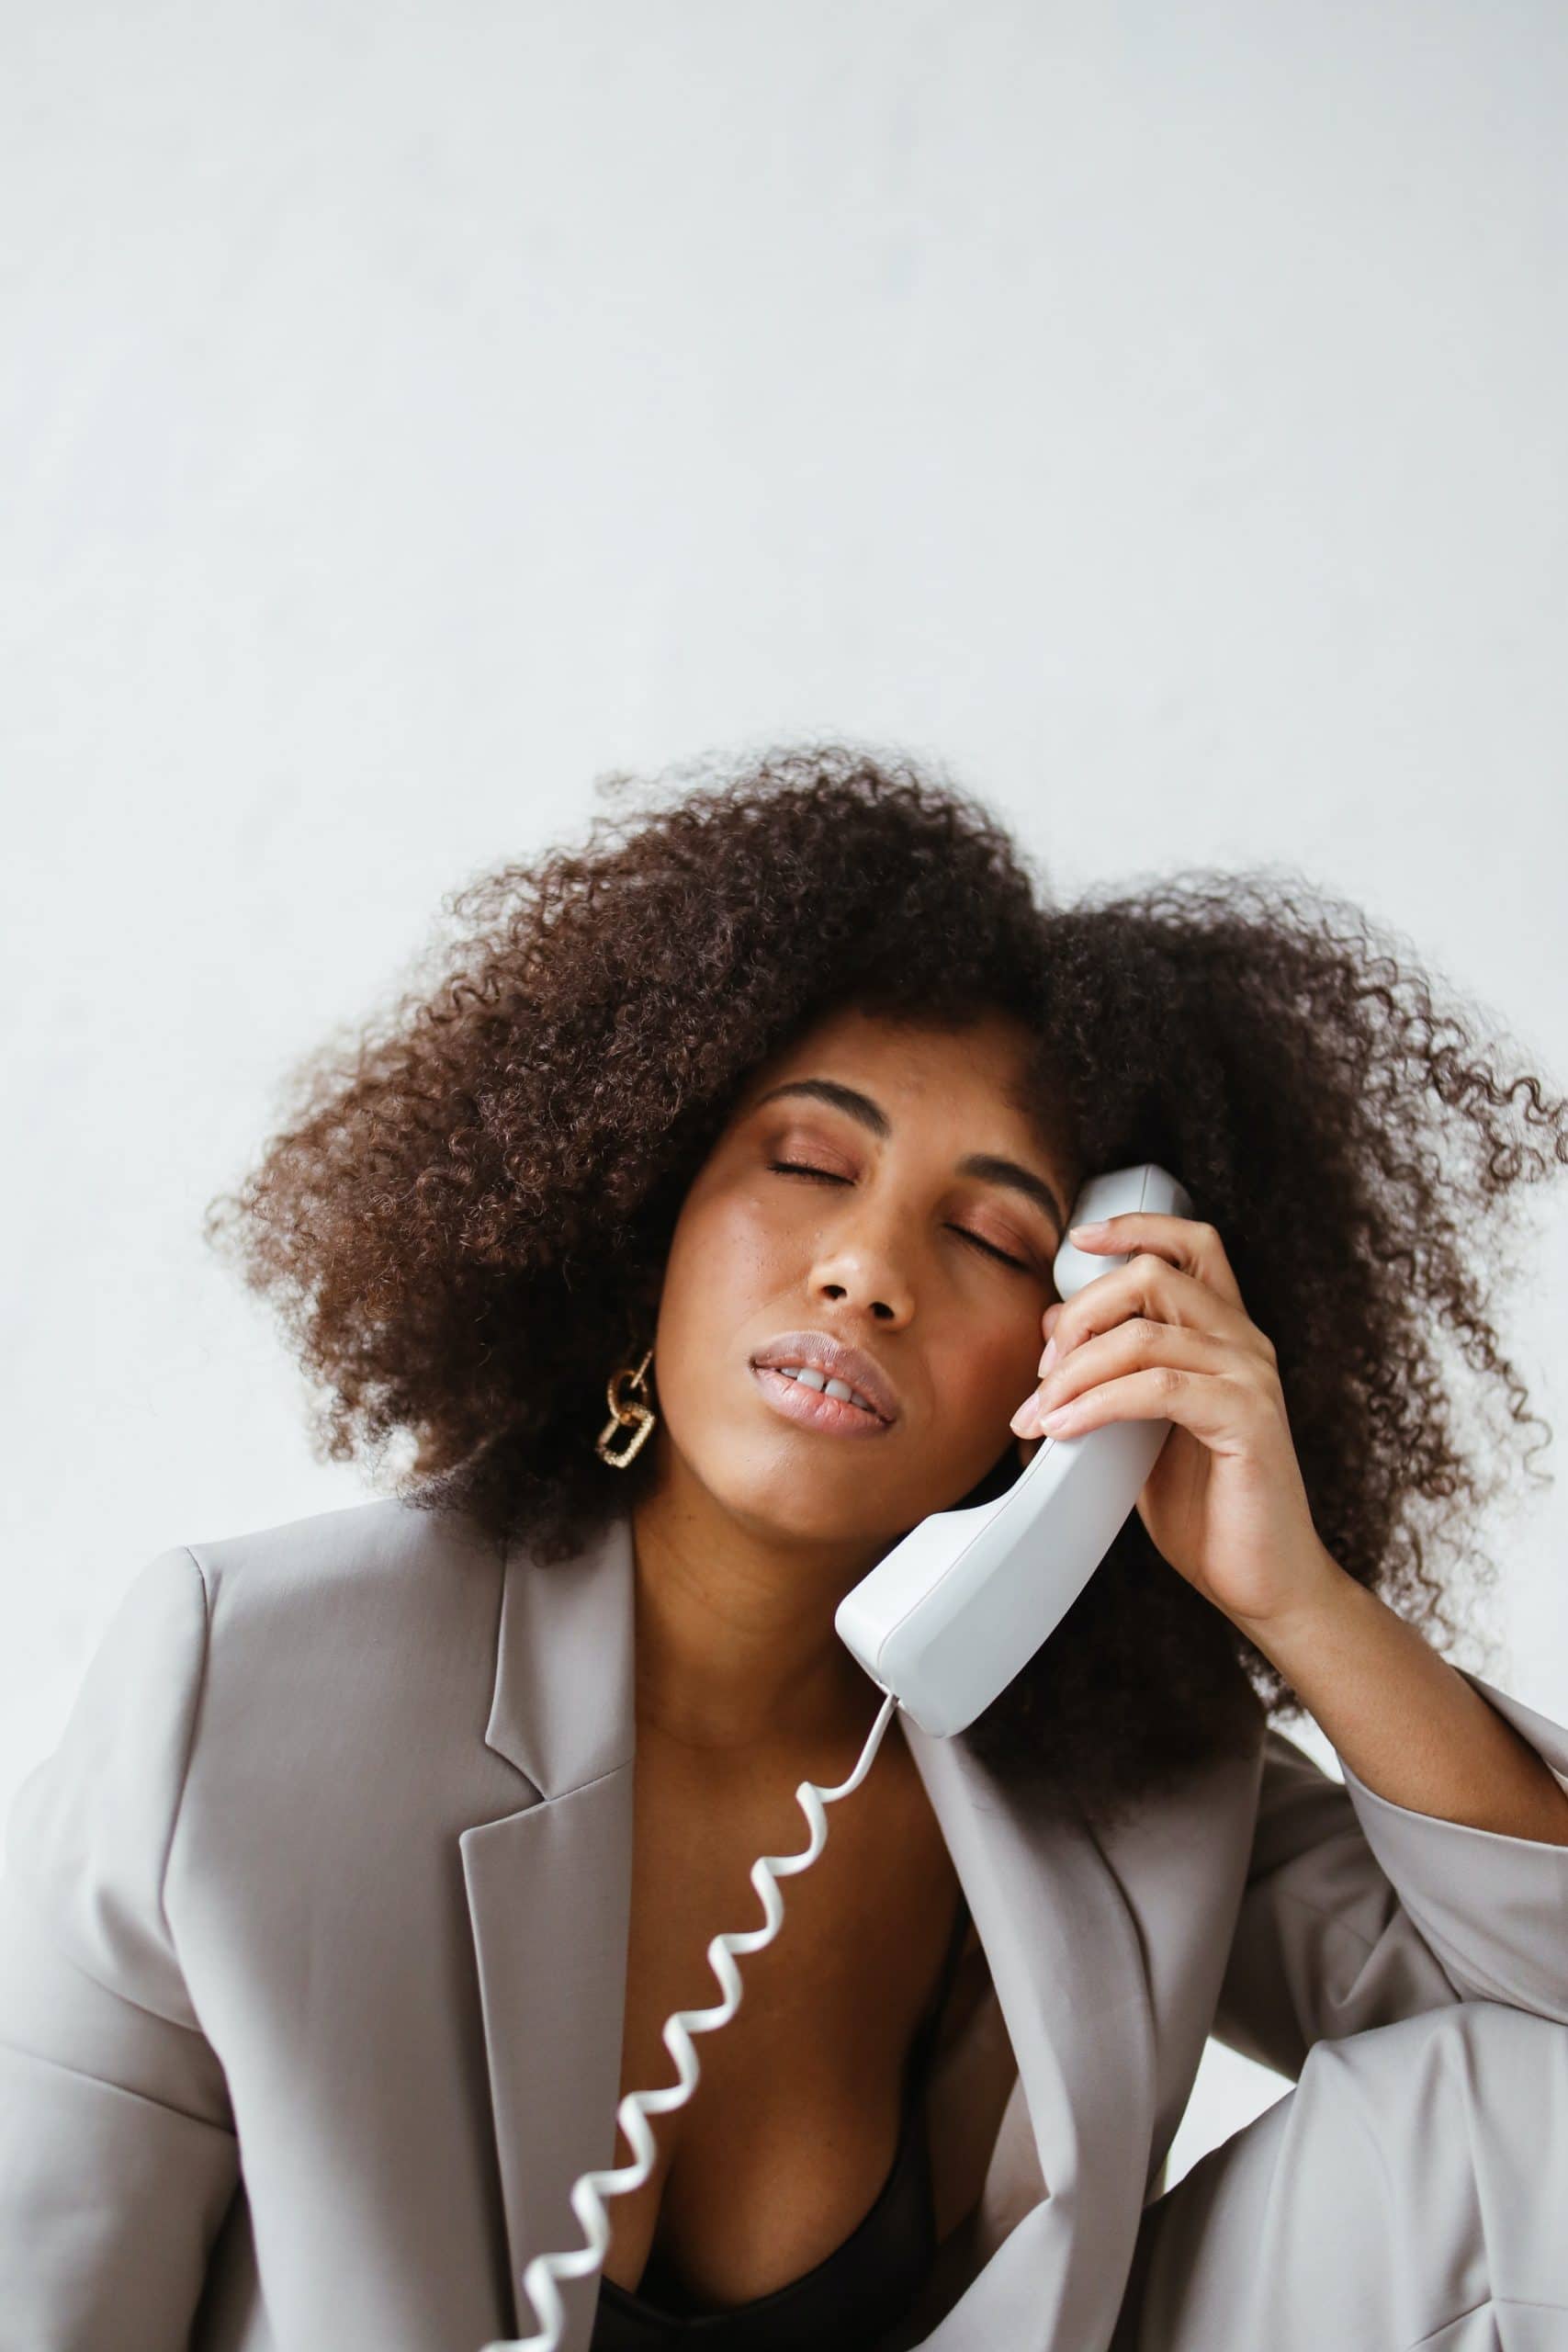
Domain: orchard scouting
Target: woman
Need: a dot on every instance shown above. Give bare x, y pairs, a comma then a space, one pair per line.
380, 1845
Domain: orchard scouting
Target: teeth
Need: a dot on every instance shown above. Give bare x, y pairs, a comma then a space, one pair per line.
810, 1379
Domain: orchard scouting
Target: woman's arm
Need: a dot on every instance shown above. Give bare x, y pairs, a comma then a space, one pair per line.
1409, 1724
1166, 1334
118, 2152
1441, 1876
1358, 1911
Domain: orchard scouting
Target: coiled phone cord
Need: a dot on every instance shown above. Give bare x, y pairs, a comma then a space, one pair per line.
591, 2188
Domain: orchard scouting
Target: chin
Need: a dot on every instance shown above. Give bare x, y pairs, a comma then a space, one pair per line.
786, 1504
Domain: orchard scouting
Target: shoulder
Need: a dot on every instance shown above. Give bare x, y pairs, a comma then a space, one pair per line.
370, 1557
349, 1653
343, 1609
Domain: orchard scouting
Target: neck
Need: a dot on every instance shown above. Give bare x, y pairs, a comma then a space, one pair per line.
736, 1651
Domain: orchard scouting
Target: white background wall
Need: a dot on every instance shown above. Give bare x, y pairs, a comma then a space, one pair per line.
1159, 415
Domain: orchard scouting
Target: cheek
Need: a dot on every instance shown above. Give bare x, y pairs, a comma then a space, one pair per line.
730, 1246
989, 1372
724, 1263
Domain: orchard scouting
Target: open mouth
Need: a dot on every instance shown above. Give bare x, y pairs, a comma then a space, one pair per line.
799, 1399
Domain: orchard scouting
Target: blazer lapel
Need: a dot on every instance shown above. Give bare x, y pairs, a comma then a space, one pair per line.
1066, 1959
549, 1901
550, 1896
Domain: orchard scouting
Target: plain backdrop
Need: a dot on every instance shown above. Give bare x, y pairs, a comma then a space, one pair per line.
1156, 416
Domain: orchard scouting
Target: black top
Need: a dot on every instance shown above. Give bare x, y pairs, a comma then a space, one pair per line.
842, 2302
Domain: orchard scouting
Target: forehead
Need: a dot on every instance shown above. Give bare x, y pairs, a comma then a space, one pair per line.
988, 1060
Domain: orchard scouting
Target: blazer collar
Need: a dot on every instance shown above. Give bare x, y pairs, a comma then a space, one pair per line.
549, 1888
564, 1706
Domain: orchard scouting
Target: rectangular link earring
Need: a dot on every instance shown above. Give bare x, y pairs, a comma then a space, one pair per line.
625, 1414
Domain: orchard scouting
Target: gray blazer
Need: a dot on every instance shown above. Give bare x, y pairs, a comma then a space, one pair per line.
313, 1950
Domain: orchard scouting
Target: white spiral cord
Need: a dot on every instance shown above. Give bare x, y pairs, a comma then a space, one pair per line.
591, 2188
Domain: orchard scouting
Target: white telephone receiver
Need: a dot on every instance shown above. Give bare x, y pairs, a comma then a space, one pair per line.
947, 1618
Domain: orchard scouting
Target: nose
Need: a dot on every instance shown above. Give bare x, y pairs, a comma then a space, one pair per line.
859, 1273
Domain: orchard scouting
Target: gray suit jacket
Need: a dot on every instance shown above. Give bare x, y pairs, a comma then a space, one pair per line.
313, 1950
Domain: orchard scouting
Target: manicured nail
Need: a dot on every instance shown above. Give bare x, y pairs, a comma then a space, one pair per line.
1088, 1232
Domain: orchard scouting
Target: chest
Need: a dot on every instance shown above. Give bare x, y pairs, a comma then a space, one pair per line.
790, 2133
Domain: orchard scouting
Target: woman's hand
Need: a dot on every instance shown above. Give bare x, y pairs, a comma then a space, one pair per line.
1166, 1337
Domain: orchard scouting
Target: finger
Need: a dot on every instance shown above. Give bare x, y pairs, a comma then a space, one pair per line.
1149, 1286
1213, 1405
1135, 1346
1184, 1241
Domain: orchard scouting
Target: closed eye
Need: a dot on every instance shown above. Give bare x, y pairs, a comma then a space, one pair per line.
827, 1176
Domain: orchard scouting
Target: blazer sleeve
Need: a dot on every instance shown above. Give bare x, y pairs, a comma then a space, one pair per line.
118, 2152
1356, 1911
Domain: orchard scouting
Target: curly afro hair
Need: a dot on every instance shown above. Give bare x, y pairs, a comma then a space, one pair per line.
464, 1216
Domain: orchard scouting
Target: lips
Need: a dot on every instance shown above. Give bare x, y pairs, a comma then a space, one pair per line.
813, 1409
835, 1359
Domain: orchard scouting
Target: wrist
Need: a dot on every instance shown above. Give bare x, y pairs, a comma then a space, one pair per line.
1321, 1594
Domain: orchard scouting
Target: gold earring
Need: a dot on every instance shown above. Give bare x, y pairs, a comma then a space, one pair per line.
624, 1415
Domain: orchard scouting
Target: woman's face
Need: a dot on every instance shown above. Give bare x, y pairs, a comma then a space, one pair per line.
937, 1272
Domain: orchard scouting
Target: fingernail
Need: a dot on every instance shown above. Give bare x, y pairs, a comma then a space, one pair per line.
1087, 1232
1025, 1422
1049, 1358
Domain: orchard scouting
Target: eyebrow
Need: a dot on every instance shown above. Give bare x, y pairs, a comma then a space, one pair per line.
987, 1165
